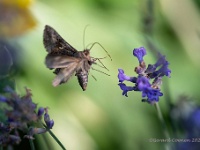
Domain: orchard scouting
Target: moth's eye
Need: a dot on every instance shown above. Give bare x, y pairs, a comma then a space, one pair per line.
86, 52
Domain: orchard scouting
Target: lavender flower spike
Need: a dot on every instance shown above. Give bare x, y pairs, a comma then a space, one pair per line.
20, 118
148, 80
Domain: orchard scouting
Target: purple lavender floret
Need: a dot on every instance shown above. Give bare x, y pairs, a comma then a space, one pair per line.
123, 77
139, 53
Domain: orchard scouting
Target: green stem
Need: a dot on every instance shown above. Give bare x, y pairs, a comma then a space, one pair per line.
55, 138
160, 116
32, 144
165, 130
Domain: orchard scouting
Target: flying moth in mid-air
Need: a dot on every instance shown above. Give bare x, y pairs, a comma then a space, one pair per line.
66, 60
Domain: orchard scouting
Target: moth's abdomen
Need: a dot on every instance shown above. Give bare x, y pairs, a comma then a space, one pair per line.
82, 79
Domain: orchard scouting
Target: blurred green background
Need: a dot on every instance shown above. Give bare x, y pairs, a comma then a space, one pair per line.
100, 117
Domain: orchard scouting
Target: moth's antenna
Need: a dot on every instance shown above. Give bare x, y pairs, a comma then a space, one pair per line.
100, 71
101, 47
84, 36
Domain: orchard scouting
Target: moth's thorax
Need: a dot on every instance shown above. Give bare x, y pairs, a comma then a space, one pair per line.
85, 54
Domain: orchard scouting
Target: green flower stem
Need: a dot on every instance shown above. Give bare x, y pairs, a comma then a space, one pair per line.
55, 138
160, 116
32, 145
165, 130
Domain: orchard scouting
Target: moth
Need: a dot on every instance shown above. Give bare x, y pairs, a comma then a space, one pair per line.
65, 59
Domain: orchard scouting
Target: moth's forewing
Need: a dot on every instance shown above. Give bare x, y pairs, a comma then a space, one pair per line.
63, 61
64, 74
55, 44
60, 56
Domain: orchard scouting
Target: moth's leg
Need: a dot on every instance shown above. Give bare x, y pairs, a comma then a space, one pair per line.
102, 65
99, 71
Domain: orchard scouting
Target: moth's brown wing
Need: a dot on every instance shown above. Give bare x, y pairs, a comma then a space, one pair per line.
65, 73
55, 44
63, 61
82, 74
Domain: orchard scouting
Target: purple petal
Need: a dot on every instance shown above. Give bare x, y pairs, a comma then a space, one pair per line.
143, 83
3, 99
139, 53
50, 124
122, 77
125, 88
40, 112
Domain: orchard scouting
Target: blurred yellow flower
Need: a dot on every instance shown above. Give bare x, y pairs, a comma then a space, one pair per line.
17, 3
15, 17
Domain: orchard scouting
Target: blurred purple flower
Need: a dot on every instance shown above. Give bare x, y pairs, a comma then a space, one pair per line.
20, 113
47, 120
32, 131
186, 116
40, 112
